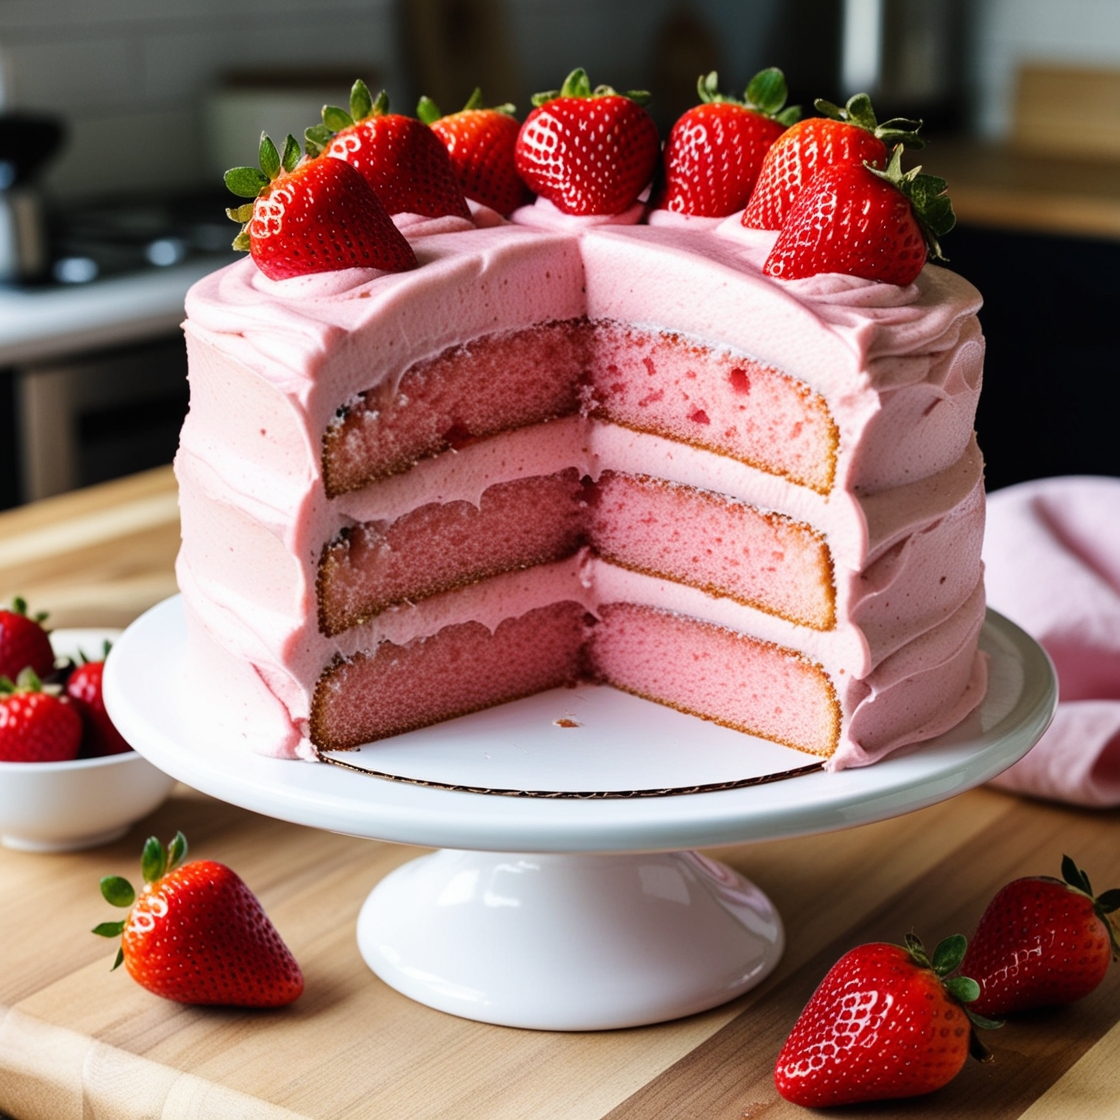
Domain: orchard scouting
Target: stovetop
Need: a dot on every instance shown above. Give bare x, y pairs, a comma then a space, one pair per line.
97, 240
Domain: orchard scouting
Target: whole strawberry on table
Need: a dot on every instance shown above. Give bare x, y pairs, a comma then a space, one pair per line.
197, 934
1043, 942
887, 1021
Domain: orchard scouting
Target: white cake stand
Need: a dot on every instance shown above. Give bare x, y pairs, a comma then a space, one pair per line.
579, 907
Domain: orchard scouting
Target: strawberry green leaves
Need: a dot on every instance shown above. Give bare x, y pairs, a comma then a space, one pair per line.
155, 862
928, 199
248, 182
766, 94
859, 112
577, 84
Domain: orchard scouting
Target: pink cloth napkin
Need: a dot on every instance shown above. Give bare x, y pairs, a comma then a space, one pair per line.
1052, 564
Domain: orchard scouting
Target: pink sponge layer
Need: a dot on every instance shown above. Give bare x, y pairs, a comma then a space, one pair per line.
690, 665
718, 674
463, 668
645, 380
437, 547
709, 541
696, 537
487, 386
719, 401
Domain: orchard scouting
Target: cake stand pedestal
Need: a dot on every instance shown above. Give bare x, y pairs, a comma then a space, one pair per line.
561, 904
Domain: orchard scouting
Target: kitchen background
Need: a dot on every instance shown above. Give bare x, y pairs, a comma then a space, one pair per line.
157, 99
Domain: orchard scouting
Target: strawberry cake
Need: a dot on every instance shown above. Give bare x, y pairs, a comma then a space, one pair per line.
582, 447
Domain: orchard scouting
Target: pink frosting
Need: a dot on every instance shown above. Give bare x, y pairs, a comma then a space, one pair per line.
899, 368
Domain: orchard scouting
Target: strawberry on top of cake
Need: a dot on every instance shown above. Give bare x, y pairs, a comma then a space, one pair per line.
725, 468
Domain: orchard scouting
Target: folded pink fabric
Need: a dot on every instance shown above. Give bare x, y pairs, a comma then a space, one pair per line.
1052, 564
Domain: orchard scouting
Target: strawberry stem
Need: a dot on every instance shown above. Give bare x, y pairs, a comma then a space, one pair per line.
765, 94
428, 111
361, 103
859, 112
947, 956
153, 860
1104, 904
577, 84
927, 196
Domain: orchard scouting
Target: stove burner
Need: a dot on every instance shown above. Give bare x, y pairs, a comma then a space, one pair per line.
90, 242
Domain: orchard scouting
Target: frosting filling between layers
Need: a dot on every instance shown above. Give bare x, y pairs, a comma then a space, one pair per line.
899, 526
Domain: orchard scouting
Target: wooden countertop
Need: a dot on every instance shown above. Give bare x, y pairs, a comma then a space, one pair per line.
1002, 187
77, 1041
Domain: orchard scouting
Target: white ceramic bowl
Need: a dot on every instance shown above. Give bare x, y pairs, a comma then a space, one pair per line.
66, 806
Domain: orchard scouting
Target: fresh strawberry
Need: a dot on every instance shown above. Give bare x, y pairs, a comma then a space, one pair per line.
884, 1023
588, 151
36, 725
860, 221
197, 934
715, 150
480, 143
400, 157
24, 642
848, 135
1042, 942
100, 736
317, 215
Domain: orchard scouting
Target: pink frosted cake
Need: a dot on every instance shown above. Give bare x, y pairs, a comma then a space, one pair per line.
605, 452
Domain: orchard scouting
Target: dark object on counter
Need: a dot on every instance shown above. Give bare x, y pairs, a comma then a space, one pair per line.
27, 142
1051, 392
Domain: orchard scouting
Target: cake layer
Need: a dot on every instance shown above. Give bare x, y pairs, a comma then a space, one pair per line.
440, 547
719, 400
718, 674
463, 668
709, 541
656, 382
712, 542
492, 384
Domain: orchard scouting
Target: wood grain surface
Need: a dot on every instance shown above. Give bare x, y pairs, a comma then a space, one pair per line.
77, 1041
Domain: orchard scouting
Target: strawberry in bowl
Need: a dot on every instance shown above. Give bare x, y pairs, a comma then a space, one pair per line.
37, 724
83, 687
24, 642
77, 799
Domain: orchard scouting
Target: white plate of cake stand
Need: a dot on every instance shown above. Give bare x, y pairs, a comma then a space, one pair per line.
552, 905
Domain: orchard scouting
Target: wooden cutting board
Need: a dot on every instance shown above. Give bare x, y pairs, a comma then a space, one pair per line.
80, 1043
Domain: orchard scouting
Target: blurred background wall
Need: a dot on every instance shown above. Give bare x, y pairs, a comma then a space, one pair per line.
140, 82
